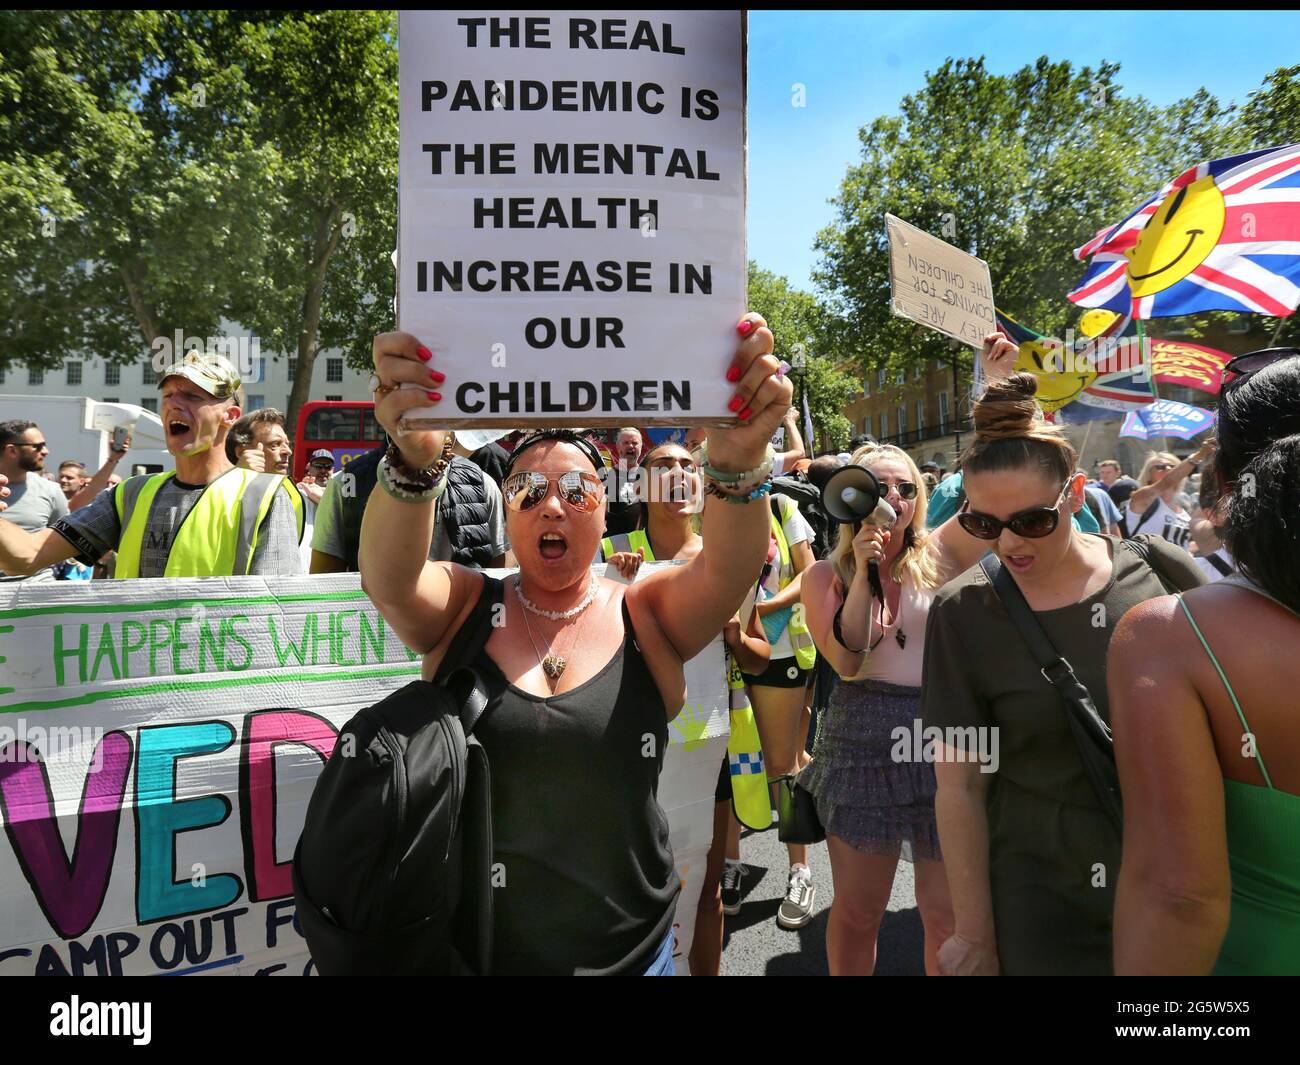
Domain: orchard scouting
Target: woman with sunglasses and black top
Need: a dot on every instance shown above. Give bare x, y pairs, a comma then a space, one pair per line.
1031, 854
1207, 729
586, 672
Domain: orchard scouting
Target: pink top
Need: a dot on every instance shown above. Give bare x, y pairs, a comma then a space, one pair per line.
889, 662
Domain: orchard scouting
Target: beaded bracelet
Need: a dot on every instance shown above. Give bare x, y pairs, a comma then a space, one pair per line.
427, 477
404, 491
727, 477
711, 489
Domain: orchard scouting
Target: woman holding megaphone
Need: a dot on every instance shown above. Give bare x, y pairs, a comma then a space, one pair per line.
867, 606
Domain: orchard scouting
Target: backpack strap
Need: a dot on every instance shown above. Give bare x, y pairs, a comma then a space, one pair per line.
1129, 534
1142, 548
1223, 568
457, 671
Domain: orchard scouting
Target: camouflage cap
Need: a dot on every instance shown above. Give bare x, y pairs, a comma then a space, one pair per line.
211, 372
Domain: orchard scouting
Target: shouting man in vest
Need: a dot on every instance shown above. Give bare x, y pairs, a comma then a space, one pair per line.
208, 519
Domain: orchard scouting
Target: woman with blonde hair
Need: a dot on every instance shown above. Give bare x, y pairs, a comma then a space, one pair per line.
1153, 507
874, 794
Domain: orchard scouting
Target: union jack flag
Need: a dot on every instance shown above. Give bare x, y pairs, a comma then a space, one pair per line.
1221, 236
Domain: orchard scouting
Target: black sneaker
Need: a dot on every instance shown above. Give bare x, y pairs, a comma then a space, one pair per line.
732, 875
797, 908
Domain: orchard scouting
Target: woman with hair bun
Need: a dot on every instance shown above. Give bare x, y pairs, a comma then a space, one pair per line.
1207, 728
1030, 849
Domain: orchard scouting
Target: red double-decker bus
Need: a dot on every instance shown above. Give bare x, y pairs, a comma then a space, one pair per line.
346, 428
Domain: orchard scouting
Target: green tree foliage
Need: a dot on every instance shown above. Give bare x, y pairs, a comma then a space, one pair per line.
171, 170
1017, 169
805, 337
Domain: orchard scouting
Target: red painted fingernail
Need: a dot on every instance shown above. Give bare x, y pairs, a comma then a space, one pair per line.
744, 327
438, 378
424, 353
733, 375
746, 414
435, 396
735, 404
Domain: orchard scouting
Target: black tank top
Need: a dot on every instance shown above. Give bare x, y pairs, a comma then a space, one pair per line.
586, 883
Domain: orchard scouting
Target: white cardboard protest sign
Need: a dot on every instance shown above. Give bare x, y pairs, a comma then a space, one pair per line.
937, 285
159, 742
572, 209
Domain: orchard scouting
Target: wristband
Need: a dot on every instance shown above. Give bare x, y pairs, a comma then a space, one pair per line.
712, 489
727, 477
405, 491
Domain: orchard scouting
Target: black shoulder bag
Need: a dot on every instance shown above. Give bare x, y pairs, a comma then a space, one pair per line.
1091, 734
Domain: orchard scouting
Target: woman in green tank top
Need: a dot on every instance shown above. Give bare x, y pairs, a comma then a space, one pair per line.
1207, 722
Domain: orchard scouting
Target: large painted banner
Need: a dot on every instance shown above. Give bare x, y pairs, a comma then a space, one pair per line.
159, 742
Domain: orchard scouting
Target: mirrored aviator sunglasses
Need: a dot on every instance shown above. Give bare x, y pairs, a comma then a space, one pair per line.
581, 490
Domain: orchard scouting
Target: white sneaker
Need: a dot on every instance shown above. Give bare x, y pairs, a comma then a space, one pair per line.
732, 875
796, 910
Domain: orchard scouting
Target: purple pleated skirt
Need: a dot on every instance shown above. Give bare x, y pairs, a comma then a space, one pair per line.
875, 803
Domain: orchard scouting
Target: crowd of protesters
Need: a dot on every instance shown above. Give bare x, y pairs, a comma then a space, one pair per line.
1036, 849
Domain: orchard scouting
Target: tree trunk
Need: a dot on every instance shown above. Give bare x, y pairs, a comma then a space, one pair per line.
327, 240
145, 315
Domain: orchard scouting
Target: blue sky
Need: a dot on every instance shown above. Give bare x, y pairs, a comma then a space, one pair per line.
858, 65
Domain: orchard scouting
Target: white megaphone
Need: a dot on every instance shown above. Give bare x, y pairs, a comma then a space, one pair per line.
852, 494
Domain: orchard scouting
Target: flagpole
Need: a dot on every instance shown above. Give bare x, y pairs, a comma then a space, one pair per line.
1151, 370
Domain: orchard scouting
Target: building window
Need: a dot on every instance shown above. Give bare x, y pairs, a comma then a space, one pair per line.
111, 399
148, 375
920, 417
902, 376
73, 369
259, 371
255, 402
880, 381
334, 399
866, 388
35, 376
334, 371
917, 370
884, 424
112, 373
943, 413
2, 377
902, 425
293, 369
150, 403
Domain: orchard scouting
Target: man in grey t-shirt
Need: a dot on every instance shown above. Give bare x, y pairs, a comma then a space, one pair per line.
34, 503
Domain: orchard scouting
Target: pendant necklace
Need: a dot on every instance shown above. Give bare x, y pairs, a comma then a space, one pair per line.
553, 665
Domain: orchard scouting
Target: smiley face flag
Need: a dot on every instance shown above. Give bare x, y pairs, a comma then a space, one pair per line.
1222, 236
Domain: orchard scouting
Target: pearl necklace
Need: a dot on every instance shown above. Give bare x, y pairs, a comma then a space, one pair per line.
557, 615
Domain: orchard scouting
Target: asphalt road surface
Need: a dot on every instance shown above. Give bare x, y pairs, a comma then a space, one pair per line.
755, 945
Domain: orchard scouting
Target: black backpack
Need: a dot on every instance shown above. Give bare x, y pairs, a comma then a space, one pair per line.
393, 871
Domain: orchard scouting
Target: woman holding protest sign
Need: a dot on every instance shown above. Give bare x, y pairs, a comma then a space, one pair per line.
1154, 507
588, 671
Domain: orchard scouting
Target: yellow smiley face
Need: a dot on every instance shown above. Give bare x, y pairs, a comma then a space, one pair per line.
1056, 388
1177, 238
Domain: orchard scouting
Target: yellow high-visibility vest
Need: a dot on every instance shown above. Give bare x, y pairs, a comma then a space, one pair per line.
805, 651
749, 795
217, 537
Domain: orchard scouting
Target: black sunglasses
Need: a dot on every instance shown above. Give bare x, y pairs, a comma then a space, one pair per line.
1254, 361
1030, 524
